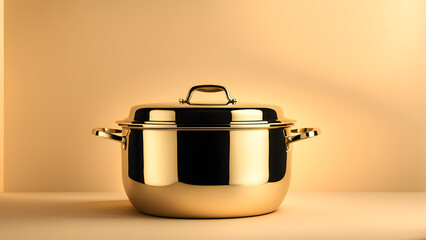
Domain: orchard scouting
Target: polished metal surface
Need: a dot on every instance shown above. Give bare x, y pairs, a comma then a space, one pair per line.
110, 133
206, 127
203, 115
177, 115
304, 134
182, 200
208, 89
190, 160
207, 174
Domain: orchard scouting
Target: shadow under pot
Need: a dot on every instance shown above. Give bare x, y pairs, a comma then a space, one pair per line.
206, 160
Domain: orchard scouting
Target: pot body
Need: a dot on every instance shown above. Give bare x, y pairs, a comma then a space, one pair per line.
206, 173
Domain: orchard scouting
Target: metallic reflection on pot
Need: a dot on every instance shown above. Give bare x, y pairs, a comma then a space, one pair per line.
247, 148
159, 165
206, 173
183, 200
202, 160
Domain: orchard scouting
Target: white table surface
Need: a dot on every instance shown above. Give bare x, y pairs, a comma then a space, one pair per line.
301, 216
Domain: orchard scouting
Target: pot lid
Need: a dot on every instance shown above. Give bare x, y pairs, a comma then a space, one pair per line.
186, 113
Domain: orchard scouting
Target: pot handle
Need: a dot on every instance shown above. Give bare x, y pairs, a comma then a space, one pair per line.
208, 89
304, 133
109, 133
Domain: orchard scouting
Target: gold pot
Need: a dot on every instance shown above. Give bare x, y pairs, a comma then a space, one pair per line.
206, 160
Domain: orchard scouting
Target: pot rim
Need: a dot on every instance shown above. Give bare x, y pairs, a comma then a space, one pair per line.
170, 125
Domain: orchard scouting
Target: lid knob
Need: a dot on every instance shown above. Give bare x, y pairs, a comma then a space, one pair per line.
208, 89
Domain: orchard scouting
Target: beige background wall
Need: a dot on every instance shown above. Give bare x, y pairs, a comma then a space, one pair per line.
354, 68
1, 96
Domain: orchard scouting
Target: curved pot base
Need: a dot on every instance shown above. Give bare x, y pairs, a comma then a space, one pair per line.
180, 200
